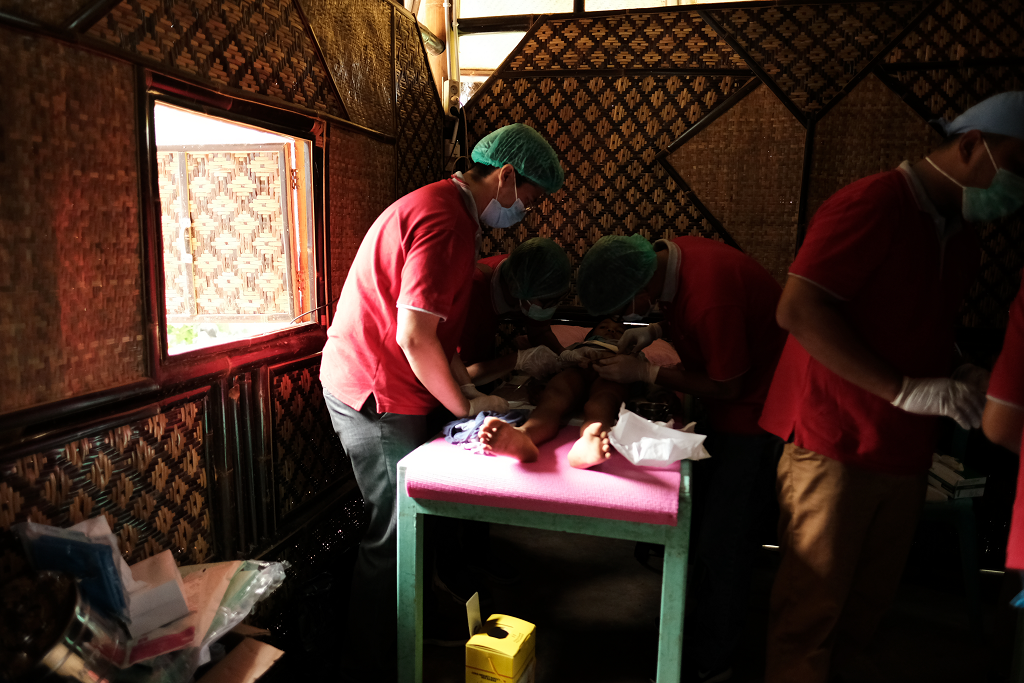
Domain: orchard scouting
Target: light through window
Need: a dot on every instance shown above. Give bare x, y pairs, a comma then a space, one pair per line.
236, 220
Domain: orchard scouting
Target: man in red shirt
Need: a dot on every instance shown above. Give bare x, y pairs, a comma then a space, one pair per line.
391, 345
525, 285
870, 305
719, 314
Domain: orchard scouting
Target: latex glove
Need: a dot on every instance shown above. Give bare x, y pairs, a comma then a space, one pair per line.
493, 403
626, 369
973, 376
584, 354
638, 338
470, 391
942, 396
539, 362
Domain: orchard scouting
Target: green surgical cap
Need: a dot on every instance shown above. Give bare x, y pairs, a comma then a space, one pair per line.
613, 271
537, 269
529, 153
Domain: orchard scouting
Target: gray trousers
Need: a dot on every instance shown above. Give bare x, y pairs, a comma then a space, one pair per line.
375, 442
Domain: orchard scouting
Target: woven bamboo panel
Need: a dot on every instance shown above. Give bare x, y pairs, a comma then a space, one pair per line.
356, 39
635, 41
869, 131
70, 271
148, 478
259, 46
746, 168
812, 52
49, 12
607, 132
951, 31
362, 184
946, 93
240, 225
420, 119
179, 285
308, 457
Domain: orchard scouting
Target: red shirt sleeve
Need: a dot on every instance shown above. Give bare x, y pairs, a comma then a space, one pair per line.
850, 235
1007, 383
722, 336
428, 283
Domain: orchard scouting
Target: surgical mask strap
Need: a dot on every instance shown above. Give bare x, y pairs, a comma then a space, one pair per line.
936, 167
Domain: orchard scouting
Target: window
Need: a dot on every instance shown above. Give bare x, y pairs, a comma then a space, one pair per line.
480, 54
237, 229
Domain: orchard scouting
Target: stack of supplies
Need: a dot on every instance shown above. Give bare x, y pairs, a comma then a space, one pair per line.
948, 479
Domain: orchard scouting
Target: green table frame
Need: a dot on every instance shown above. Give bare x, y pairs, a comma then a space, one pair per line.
410, 565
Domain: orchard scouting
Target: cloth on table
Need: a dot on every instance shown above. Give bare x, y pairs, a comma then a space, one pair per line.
465, 430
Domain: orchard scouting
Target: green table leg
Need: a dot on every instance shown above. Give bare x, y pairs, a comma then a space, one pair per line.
410, 587
673, 600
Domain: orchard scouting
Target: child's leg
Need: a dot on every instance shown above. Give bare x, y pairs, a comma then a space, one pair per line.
600, 413
563, 392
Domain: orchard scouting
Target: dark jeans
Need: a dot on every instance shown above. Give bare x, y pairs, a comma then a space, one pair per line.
733, 491
375, 442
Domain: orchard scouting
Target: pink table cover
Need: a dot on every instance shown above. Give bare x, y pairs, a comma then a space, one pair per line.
615, 489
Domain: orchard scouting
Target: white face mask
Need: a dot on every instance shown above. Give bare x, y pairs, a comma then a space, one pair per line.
498, 216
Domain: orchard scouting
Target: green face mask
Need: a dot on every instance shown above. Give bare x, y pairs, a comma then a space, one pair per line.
1003, 196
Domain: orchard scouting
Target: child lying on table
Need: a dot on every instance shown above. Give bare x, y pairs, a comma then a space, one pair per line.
562, 396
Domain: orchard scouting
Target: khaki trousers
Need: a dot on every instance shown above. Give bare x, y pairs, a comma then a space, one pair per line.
845, 534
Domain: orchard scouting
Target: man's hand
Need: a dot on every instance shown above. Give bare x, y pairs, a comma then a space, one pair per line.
493, 403
942, 396
627, 369
470, 391
540, 362
639, 338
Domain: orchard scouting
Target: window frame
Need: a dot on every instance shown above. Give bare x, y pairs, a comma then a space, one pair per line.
301, 338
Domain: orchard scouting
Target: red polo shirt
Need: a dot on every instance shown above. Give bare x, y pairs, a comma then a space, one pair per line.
418, 254
722, 322
877, 249
478, 337
1007, 386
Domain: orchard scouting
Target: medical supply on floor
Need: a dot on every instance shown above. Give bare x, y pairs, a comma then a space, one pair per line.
502, 649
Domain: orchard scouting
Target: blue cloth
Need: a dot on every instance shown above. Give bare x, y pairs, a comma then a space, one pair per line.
1002, 114
465, 429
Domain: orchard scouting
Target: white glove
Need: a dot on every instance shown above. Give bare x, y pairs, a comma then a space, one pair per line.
942, 396
539, 362
584, 354
973, 376
638, 338
493, 403
627, 369
470, 391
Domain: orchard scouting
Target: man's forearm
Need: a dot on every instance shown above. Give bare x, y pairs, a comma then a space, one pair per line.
490, 370
697, 384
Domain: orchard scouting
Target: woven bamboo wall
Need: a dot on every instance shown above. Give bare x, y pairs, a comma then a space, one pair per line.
70, 285
147, 477
869, 131
356, 39
811, 52
420, 123
49, 12
758, 200
359, 192
308, 457
257, 46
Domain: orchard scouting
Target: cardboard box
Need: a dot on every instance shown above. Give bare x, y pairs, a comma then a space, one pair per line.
502, 651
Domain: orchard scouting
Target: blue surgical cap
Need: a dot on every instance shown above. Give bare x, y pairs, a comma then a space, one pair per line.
1002, 114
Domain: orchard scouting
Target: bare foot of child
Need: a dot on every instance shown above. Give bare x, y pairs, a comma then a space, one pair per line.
500, 438
592, 448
